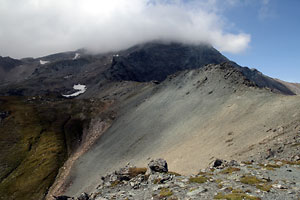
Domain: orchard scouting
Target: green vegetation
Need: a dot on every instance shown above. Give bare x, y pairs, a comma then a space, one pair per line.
290, 162
36, 139
250, 180
270, 166
264, 187
230, 170
165, 192
174, 173
198, 179
115, 183
235, 196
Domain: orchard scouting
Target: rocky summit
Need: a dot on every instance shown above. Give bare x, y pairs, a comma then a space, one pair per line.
71, 121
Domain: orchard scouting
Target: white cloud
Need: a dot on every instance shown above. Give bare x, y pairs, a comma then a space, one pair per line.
40, 27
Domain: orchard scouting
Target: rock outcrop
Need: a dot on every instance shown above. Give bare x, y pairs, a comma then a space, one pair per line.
246, 180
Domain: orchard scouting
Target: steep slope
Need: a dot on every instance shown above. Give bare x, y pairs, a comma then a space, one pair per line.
36, 136
294, 87
189, 119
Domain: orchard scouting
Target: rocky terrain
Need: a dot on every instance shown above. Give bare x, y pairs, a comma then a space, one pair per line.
222, 180
68, 120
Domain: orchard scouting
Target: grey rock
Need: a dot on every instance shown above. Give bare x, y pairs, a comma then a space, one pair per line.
197, 191
158, 165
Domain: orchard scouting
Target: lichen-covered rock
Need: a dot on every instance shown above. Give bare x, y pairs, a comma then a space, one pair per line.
159, 165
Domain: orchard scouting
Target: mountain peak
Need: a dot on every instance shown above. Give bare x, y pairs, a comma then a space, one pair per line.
155, 61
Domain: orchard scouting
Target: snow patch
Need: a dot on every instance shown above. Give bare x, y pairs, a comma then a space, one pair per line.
81, 89
77, 55
117, 55
43, 62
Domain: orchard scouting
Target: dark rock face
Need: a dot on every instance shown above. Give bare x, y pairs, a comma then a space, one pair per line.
83, 196
256, 78
155, 61
61, 197
159, 165
7, 63
264, 81
62, 66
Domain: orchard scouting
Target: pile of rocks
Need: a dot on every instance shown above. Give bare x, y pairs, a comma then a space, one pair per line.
223, 180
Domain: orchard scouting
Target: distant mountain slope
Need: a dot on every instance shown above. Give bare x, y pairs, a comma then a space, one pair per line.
7, 63
189, 119
294, 87
58, 73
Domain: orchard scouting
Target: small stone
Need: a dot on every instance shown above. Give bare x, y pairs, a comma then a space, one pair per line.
279, 186
197, 191
180, 184
100, 198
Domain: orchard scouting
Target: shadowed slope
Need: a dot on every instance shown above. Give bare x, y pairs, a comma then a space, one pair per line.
36, 136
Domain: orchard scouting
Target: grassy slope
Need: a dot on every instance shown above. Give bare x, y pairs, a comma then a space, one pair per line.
35, 140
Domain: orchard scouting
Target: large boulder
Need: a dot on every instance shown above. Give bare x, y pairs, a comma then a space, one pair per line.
158, 165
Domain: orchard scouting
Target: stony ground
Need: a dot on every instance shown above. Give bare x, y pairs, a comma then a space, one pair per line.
223, 180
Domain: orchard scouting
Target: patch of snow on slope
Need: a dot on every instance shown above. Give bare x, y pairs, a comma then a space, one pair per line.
77, 55
43, 62
81, 89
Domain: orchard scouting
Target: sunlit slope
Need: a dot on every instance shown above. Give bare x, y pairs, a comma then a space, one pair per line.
189, 119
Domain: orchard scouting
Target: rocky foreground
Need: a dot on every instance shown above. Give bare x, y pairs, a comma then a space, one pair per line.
223, 180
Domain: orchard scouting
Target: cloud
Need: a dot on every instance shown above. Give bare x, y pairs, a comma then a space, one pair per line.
40, 27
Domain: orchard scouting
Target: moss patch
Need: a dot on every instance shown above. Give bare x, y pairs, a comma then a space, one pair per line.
165, 192
174, 173
198, 179
235, 196
250, 180
230, 170
264, 187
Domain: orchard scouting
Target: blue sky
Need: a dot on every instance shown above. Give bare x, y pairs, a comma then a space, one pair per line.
275, 30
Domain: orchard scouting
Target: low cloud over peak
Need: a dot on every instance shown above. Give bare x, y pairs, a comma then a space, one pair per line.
40, 27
